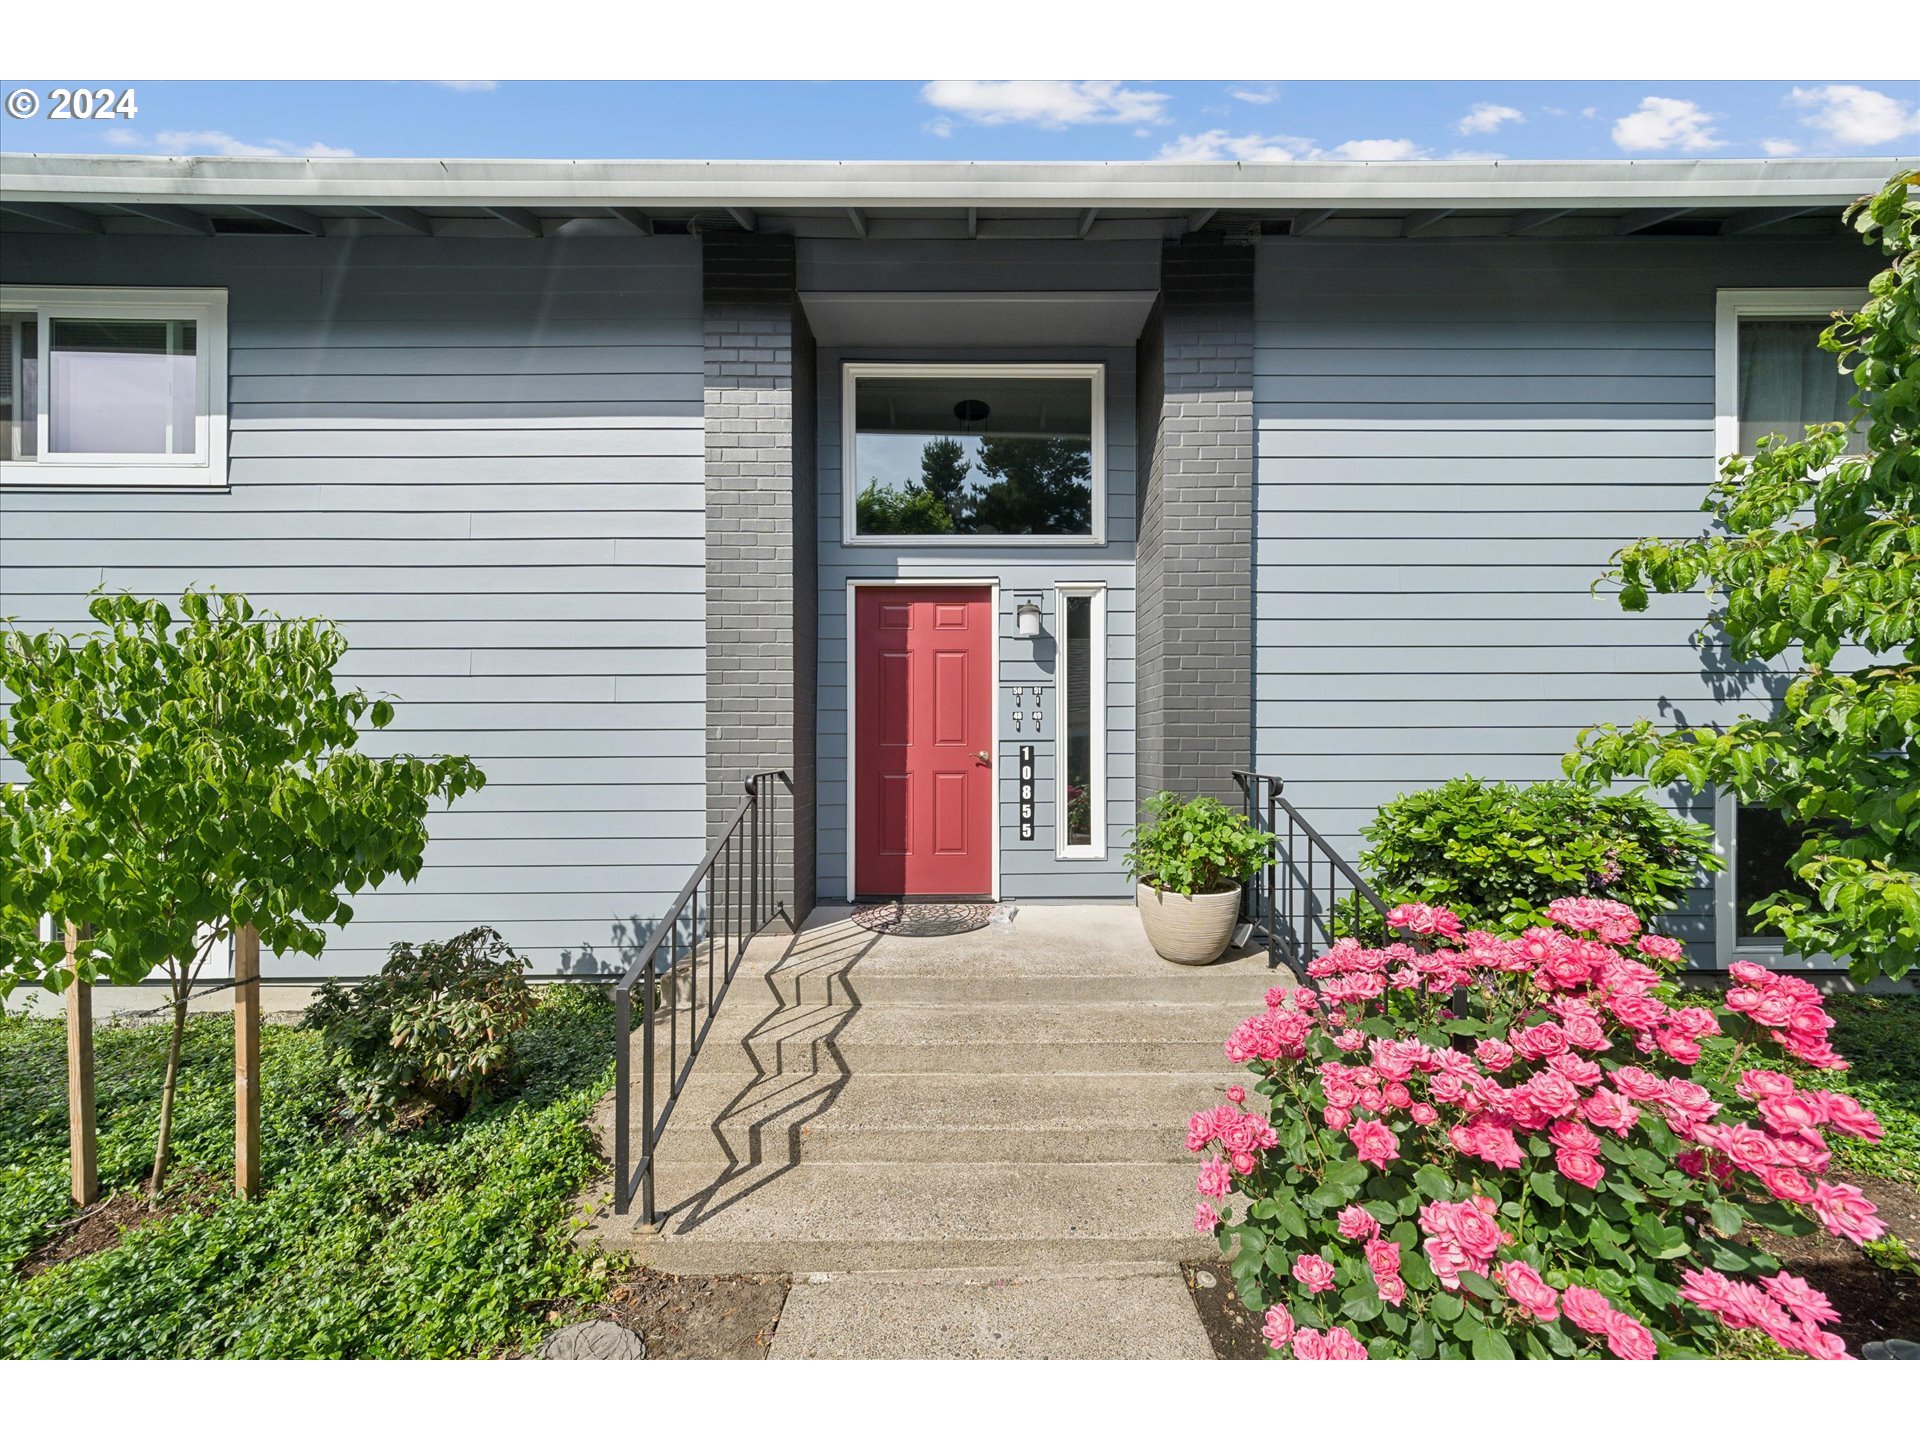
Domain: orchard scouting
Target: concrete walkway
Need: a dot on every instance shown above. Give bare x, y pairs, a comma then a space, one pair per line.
968, 1146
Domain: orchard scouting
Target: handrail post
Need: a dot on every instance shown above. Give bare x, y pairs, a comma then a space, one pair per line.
622, 1083
650, 982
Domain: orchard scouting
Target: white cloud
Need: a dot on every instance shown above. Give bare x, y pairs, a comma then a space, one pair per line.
1255, 95
219, 142
467, 87
1855, 115
1485, 118
941, 129
1219, 145
1663, 124
1475, 155
1050, 104
1779, 148
1373, 150
1211, 145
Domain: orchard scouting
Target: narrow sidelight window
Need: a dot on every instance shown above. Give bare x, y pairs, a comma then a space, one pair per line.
1080, 748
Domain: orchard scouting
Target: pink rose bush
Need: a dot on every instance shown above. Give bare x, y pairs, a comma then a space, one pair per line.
1530, 1145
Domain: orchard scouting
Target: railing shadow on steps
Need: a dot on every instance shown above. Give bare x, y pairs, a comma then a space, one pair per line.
1295, 903
727, 901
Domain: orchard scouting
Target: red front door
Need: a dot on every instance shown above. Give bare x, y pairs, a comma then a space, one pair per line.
922, 740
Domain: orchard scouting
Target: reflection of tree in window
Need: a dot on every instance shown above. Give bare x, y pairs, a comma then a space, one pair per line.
1077, 719
983, 455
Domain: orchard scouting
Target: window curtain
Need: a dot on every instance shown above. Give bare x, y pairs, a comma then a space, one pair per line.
1787, 382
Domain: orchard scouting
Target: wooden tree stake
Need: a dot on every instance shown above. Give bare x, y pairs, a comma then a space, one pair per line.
246, 1061
82, 1141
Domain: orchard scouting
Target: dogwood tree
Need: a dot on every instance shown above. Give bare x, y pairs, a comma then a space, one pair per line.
183, 781
1814, 557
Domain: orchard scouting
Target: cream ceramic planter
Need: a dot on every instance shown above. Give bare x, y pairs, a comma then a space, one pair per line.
1188, 929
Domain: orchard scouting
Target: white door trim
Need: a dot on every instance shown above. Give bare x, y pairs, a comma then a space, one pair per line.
992, 587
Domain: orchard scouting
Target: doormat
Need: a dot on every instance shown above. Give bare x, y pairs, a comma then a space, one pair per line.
938, 917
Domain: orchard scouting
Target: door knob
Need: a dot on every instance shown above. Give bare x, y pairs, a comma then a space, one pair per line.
984, 760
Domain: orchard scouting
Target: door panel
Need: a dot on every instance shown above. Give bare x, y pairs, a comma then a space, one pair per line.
923, 687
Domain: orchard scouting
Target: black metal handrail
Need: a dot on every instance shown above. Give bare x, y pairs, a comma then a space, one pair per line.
1294, 902
736, 879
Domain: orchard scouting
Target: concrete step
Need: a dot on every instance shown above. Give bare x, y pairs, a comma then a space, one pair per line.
725, 1119
877, 1216
988, 1037
1108, 1312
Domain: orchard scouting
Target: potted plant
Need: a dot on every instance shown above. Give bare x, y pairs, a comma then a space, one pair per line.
1188, 864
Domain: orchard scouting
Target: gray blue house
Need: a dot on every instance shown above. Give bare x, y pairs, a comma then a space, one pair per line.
983, 500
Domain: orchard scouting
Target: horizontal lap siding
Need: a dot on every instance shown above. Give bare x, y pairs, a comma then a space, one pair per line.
1453, 439
483, 460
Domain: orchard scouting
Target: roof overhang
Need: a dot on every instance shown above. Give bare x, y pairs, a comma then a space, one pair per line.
1070, 319
1097, 200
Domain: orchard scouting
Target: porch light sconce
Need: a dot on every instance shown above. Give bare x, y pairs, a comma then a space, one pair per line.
1026, 619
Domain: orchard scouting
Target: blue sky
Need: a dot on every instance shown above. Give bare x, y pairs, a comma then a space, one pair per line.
991, 120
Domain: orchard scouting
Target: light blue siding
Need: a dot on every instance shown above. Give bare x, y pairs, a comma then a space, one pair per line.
484, 460
1453, 438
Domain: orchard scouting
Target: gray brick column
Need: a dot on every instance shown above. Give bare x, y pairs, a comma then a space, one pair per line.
1195, 557
761, 561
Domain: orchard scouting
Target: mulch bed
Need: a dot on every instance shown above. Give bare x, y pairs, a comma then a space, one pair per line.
105, 1223
1233, 1329
696, 1317
1875, 1303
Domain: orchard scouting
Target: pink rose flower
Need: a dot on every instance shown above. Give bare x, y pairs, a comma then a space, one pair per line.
1847, 1213
1336, 1344
1494, 1054
1215, 1179
1205, 1218
1278, 1328
1629, 1339
1243, 1162
1528, 1291
1236, 1094
1638, 1084
1314, 1273
1588, 1309
1357, 1224
1374, 1142
1423, 1113
1848, 1115
1580, 1168
1336, 1117
1393, 1290
1801, 1298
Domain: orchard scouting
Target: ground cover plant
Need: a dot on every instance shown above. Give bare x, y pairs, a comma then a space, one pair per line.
1531, 1145
447, 1238
1497, 854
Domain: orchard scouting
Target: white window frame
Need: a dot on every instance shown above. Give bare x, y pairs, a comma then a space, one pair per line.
853, 372
207, 308
1096, 720
1728, 944
1733, 306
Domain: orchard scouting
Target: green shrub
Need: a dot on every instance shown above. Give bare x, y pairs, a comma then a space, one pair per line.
1196, 847
446, 1239
1497, 854
434, 1027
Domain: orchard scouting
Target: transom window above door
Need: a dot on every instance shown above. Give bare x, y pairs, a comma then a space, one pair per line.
974, 454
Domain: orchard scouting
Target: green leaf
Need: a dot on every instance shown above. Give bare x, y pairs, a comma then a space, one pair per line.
1546, 1187
1727, 1219
1491, 1345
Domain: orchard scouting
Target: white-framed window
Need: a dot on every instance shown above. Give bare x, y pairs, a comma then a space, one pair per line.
1754, 845
1080, 697
112, 386
973, 454
1770, 376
